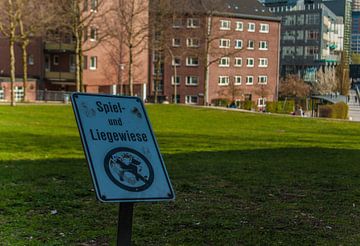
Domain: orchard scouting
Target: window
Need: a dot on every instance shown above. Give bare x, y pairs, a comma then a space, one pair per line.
224, 43
177, 23
262, 79
56, 60
264, 28
312, 19
312, 35
192, 80
2, 93
94, 5
193, 23
31, 59
177, 80
93, 63
225, 25
238, 44
223, 80
177, 98
192, 61
159, 85
261, 102
192, 42
251, 44
238, 62
263, 45
176, 42
85, 62
263, 62
239, 26
249, 62
224, 62
18, 93
176, 61
93, 34
237, 80
249, 80
191, 99
251, 27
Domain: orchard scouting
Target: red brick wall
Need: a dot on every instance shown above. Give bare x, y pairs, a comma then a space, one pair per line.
30, 91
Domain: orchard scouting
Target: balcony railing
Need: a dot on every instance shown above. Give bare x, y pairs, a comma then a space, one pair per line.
61, 76
59, 46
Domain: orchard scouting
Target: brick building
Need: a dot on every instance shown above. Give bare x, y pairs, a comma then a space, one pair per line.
51, 61
232, 53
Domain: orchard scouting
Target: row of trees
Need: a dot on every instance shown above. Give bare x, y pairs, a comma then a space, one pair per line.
120, 25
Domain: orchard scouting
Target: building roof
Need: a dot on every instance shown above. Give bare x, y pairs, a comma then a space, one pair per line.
233, 8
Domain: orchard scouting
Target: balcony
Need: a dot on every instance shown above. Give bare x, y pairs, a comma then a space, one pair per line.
60, 76
62, 47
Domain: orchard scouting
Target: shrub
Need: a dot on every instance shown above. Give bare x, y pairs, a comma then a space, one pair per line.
248, 105
335, 111
281, 107
223, 102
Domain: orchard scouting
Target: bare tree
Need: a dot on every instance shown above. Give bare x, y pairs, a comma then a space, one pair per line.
9, 14
31, 25
129, 27
232, 89
293, 86
325, 80
79, 17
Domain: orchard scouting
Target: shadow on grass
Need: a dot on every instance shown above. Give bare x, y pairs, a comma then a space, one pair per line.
269, 196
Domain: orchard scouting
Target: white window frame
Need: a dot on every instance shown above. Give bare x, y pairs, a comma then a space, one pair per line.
178, 80
93, 34
224, 62
225, 25
2, 93
56, 60
175, 24
236, 62
189, 99
93, 63
236, 80
251, 27
226, 42
264, 28
238, 44
18, 93
175, 43
190, 42
250, 62
173, 62
251, 47
248, 80
262, 77
31, 60
189, 80
192, 61
192, 22
239, 26
263, 43
223, 80
261, 102
263, 62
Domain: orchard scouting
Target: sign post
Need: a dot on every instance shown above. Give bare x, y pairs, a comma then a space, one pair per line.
123, 156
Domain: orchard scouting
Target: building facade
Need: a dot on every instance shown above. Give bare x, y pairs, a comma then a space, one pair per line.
311, 37
231, 54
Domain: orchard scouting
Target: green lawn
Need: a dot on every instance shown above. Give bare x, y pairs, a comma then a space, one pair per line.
239, 178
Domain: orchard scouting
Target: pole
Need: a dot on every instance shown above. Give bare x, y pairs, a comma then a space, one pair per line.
125, 224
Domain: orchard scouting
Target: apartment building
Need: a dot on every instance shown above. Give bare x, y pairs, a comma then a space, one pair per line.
231, 54
51, 61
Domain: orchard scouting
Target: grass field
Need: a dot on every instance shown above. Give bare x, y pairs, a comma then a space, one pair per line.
239, 178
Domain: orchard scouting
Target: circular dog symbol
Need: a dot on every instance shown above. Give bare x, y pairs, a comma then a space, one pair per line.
129, 169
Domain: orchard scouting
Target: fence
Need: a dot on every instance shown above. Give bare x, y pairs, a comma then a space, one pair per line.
45, 95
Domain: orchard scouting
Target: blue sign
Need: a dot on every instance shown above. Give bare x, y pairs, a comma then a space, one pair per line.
121, 150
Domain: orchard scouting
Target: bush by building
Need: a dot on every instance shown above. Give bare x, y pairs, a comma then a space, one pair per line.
335, 111
280, 107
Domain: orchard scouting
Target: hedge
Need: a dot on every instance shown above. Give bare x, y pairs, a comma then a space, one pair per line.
335, 111
280, 107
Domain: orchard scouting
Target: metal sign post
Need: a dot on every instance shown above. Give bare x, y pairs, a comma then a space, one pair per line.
122, 153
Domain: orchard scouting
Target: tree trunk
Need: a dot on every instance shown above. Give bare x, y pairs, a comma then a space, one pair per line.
175, 85
24, 46
131, 86
12, 66
77, 63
